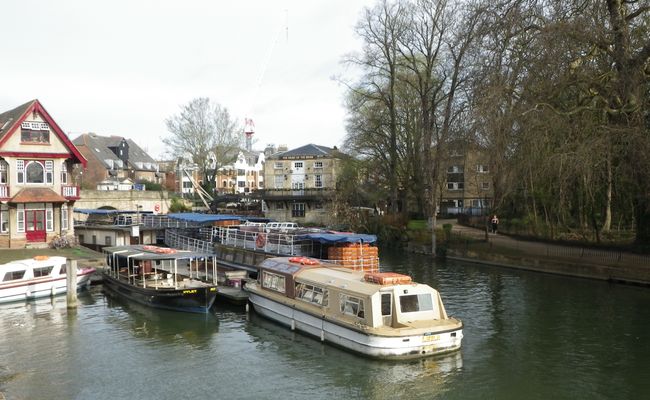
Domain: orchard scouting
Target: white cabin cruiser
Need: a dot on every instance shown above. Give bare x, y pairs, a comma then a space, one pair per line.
378, 314
36, 277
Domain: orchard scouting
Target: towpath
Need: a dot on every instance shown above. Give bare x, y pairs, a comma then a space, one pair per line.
581, 261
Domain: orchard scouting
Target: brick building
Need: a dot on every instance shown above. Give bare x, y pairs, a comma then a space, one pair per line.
300, 184
114, 159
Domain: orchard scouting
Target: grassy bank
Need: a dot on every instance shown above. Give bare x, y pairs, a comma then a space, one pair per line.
74, 253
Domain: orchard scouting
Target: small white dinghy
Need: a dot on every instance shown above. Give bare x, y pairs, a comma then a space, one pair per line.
36, 277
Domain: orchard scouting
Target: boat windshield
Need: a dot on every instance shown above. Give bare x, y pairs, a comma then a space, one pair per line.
416, 302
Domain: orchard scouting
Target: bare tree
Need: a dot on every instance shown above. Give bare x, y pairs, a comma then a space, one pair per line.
206, 134
380, 28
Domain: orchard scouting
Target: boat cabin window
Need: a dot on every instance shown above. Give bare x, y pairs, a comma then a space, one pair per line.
312, 294
14, 275
416, 302
273, 281
351, 305
43, 271
386, 304
63, 269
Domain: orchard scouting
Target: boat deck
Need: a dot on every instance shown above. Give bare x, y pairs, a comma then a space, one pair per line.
233, 295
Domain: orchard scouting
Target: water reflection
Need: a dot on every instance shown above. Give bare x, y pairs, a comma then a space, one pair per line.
28, 316
160, 326
355, 375
527, 335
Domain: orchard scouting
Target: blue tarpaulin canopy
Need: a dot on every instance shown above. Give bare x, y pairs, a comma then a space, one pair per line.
203, 218
331, 238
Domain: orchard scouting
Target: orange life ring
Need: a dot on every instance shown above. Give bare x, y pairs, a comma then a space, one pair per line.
147, 247
260, 241
41, 258
304, 261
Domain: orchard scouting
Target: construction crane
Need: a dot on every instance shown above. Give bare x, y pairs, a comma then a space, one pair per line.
206, 198
249, 125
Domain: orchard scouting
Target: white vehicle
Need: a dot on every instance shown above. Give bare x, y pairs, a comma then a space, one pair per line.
281, 226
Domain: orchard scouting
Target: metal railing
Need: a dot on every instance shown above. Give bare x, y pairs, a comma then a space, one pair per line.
117, 220
163, 221
70, 191
282, 244
304, 192
268, 242
177, 241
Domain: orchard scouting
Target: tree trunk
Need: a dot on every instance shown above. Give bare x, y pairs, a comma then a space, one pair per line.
607, 224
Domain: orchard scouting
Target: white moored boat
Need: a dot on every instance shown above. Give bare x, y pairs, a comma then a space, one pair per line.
37, 277
378, 314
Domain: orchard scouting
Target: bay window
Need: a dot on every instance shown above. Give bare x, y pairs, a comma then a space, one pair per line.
35, 171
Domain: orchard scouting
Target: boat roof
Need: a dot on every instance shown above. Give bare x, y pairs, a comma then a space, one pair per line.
343, 278
32, 262
282, 264
340, 237
144, 252
204, 218
91, 211
326, 274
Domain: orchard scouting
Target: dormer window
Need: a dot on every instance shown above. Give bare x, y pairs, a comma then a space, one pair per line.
34, 132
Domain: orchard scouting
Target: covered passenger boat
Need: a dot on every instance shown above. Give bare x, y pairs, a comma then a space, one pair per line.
378, 314
162, 277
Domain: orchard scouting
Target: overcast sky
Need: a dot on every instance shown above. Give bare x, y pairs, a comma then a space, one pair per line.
122, 67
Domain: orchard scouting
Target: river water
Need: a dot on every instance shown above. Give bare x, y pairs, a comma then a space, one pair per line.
527, 336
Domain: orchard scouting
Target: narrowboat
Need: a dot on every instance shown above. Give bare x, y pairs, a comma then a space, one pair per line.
161, 277
378, 314
41, 276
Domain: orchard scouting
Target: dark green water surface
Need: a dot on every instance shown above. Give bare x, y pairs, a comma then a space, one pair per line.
527, 336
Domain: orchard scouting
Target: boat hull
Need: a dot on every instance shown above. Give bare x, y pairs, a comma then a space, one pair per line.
368, 344
197, 300
38, 288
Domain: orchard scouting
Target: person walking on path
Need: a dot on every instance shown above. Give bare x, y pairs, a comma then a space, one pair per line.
495, 223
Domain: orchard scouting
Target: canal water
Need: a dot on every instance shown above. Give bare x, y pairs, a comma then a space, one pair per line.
527, 336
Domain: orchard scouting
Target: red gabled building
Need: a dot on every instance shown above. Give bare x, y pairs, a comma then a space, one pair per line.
36, 191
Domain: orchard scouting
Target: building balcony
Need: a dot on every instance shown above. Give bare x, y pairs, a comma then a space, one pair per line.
70, 192
4, 192
296, 194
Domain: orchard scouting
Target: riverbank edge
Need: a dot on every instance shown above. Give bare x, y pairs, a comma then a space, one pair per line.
624, 275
